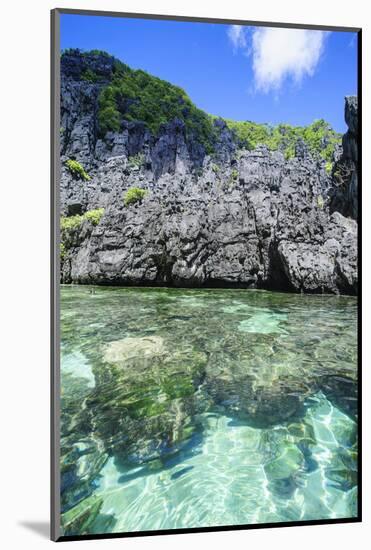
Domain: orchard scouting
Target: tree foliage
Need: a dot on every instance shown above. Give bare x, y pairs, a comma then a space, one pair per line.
90, 76
320, 138
137, 95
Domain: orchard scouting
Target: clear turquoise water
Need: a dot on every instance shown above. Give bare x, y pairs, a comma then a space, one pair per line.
196, 408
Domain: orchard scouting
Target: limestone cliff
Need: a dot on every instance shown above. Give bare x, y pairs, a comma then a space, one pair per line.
215, 212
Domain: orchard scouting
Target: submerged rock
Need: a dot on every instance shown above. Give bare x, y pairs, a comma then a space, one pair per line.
276, 402
85, 517
144, 405
121, 351
263, 322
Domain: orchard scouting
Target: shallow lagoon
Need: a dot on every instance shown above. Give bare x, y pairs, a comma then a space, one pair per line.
196, 408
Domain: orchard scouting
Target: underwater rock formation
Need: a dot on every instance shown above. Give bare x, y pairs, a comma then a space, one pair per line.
158, 373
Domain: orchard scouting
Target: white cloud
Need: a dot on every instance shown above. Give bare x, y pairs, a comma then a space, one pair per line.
281, 54
236, 35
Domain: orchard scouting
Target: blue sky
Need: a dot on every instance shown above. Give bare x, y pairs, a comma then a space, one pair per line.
243, 73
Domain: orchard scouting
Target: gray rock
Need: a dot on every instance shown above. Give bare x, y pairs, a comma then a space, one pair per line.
239, 218
344, 197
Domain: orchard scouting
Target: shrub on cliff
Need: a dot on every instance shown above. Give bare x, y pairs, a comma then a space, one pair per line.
133, 195
319, 137
136, 95
69, 226
73, 222
94, 216
77, 170
108, 115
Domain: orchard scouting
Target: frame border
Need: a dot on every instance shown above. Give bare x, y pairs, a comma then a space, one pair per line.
54, 277
55, 533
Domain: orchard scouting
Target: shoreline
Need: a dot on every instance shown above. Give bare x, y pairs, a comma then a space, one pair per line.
201, 288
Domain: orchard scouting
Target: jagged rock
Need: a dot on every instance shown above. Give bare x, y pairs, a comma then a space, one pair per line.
75, 208
239, 218
301, 150
345, 172
85, 518
75, 64
167, 401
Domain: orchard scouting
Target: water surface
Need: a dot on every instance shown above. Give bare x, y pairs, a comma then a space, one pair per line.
197, 408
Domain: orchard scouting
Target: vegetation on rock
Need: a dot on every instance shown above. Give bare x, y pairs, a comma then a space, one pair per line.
319, 137
90, 76
135, 95
77, 170
94, 216
69, 223
77, 51
73, 222
62, 251
133, 195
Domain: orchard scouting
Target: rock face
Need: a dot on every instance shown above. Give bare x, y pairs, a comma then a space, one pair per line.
234, 218
345, 171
